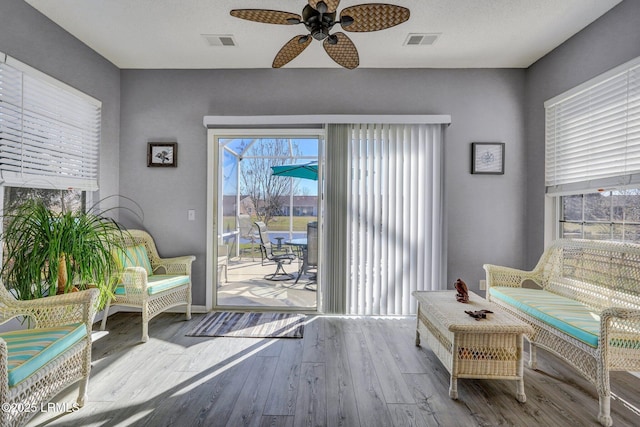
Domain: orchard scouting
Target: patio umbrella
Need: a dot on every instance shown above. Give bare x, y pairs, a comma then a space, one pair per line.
305, 171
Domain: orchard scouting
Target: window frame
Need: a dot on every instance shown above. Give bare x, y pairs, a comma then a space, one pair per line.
611, 223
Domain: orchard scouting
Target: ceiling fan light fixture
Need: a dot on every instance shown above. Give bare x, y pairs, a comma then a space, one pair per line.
320, 33
345, 21
322, 7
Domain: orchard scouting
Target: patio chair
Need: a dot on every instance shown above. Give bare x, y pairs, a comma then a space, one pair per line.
266, 248
223, 263
247, 231
149, 282
312, 248
310, 254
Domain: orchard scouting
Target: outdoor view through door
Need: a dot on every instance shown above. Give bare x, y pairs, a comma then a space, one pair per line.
268, 215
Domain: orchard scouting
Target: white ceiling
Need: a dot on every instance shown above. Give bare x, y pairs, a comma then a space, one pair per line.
473, 33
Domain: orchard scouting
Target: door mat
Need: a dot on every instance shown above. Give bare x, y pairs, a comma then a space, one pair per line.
250, 325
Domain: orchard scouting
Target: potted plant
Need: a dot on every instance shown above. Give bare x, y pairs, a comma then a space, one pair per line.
46, 252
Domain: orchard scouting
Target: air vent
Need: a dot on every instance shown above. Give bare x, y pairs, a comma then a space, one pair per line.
421, 39
219, 40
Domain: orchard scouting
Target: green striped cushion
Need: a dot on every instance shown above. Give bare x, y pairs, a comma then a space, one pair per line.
565, 314
31, 349
158, 283
134, 256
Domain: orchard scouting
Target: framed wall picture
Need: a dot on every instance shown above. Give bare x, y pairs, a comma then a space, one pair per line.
487, 158
162, 154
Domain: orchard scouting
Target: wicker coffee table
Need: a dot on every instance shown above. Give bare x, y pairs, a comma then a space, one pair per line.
488, 348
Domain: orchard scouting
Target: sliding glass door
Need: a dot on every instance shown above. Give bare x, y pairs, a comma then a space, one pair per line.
268, 205
384, 223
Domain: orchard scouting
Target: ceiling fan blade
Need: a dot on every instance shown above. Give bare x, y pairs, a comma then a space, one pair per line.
374, 16
290, 50
344, 52
332, 5
265, 16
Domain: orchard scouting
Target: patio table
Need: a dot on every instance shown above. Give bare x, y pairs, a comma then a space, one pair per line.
301, 247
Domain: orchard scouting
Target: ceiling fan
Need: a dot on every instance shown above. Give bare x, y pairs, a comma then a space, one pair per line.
319, 17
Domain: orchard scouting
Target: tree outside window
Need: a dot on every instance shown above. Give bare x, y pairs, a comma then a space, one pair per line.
267, 193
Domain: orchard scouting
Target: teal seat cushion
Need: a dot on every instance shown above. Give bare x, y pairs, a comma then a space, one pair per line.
31, 349
565, 314
159, 283
134, 256
162, 282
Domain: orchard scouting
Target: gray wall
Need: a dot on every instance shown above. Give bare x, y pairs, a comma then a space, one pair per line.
608, 42
485, 213
29, 37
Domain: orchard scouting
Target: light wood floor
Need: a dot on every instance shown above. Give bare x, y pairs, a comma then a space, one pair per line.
344, 372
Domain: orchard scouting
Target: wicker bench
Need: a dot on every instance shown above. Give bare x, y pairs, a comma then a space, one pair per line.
149, 282
583, 302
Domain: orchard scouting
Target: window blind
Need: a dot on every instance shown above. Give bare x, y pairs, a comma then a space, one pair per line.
395, 217
335, 207
593, 133
49, 132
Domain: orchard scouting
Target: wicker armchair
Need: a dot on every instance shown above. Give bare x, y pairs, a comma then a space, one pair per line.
58, 352
149, 282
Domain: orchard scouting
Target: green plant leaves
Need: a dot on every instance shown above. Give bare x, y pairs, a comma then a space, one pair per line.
37, 239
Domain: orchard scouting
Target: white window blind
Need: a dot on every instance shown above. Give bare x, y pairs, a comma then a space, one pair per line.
593, 133
396, 221
49, 132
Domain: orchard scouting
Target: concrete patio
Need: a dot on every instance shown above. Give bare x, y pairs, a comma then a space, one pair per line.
246, 286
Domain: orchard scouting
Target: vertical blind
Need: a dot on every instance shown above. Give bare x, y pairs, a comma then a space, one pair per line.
396, 221
593, 132
49, 132
336, 207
